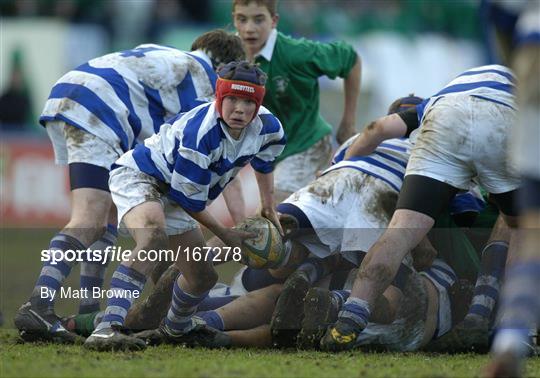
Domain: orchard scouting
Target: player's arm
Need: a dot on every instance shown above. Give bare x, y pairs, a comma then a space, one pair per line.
234, 199
351, 90
265, 181
391, 126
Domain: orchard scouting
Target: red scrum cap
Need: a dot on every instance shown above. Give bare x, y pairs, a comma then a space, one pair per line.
240, 79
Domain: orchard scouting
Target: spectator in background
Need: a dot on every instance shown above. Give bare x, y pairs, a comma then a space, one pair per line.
15, 104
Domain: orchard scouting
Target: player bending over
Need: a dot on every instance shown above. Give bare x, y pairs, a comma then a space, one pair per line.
94, 114
161, 189
462, 135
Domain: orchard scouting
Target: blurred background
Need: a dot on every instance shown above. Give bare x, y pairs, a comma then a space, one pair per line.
405, 45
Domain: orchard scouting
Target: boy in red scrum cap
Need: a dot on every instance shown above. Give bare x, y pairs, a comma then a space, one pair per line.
161, 189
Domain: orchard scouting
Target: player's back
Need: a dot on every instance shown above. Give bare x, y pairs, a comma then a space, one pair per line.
126, 96
494, 83
388, 162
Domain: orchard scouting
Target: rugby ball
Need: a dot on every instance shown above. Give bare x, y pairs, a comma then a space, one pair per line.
266, 250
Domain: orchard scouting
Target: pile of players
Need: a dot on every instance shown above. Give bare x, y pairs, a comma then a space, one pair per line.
152, 135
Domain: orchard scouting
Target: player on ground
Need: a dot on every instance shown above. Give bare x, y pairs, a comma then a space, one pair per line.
463, 135
93, 115
293, 67
162, 188
520, 305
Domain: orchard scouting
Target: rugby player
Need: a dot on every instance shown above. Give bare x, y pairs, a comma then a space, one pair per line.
460, 134
519, 313
94, 114
161, 189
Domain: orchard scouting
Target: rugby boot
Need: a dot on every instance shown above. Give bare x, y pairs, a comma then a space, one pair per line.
320, 311
340, 337
289, 311
201, 335
113, 338
36, 327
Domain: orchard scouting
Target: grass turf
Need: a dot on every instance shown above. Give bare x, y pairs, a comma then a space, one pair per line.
42, 360
20, 265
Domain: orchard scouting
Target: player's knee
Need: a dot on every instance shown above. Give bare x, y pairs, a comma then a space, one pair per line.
152, 238
204, 279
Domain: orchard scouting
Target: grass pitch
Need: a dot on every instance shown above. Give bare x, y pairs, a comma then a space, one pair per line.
23, 360
20, 265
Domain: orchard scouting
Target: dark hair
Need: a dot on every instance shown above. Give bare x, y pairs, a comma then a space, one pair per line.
404, 103
271, 5
220, 46
243, 71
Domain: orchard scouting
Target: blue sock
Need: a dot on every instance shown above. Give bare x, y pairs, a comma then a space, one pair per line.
213, 319
314, 268
125, 281
183, 307
340, 296
52, 276
486, 290
519, 312
93, 272
356, 312
254, 279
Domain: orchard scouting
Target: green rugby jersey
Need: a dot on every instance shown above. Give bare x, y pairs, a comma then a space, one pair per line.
292, 88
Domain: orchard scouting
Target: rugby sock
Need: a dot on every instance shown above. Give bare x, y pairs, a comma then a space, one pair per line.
52, 274
356, 312
340, 296
253, 279
92, 272
183, 307
486, 290
520, 308
124, 282
213, 319
314, 268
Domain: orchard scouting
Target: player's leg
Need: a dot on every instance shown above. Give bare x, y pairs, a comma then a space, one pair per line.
91, 202
493, 262
138, 198
245, 312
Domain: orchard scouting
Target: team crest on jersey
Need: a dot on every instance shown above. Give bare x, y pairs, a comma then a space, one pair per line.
281, 83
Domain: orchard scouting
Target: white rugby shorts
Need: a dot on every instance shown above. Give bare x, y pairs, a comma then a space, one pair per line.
73, 145
462, 138
348, 209
130, 188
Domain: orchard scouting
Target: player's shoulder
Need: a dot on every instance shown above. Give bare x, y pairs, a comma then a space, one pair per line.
270, 123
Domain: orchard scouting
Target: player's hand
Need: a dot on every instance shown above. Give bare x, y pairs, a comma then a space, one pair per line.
271, 214
346, 130
235, 238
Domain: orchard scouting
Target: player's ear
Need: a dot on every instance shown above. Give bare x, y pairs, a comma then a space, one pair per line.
275, 19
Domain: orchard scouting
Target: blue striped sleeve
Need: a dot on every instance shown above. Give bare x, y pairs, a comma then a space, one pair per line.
262, 166
270, 124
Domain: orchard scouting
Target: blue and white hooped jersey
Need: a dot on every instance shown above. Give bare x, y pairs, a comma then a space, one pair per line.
493, 83
388, 162
124, 97
195, 155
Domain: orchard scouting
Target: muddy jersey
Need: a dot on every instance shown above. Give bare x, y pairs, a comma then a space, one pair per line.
125, 97
388, 162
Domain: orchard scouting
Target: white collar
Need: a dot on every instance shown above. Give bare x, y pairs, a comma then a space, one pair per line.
268, 49
201, 54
